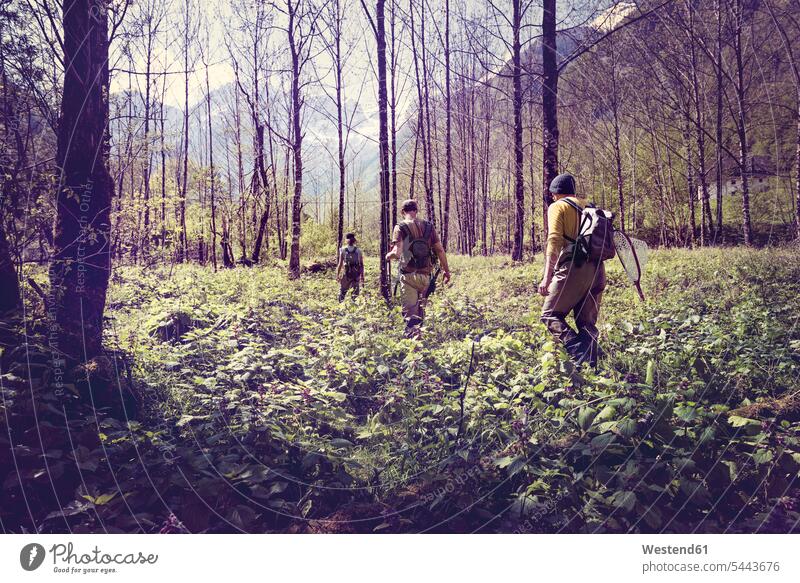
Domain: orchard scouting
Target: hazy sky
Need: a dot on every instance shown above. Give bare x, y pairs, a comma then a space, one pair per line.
216, 22
219, 25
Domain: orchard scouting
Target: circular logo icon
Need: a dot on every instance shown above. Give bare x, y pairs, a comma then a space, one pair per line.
31, 556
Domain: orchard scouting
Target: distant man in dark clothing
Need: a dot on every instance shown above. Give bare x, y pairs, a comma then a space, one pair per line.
567, 286
350, 270
414, 244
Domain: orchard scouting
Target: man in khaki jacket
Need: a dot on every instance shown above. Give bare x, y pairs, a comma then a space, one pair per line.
566, 285
411, 236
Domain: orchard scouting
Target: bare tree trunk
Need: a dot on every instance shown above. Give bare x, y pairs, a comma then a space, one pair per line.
487, 173
718, 127
741, 100
615, 105
413, 178
706, 225
240, 174
393, 109
212, 178
80, 268
690, 174
163, 148
448, 145
426, 108
274, 172
532, 179
145, 235
9, 284
795, 67
550, 133
519, 182
297, 145
634, 198
338, 67
383, 140
183, 248
421, 131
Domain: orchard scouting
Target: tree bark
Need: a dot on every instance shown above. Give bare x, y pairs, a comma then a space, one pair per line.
519, 182
383, 140
741, 99
718, 126
700, 136
393, 108
212, 177
80, 268
9, 284
550, 134
183, 247
615, 104
297, 146
339, 121
795, 67
448, 144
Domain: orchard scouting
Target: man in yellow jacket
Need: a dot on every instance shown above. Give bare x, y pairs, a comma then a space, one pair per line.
567, 285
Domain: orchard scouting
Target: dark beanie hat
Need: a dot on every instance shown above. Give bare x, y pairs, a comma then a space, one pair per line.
563, 184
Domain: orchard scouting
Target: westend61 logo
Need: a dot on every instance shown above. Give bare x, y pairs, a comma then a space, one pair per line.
67, 560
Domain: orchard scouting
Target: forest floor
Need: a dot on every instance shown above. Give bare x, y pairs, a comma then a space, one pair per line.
266, 406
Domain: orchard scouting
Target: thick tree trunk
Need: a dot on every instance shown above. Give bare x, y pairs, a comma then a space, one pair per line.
393, 109
797, 176
383, 140
718, 126
550, 133
795, 67
262, 227
519, 182
81, 263
9, 285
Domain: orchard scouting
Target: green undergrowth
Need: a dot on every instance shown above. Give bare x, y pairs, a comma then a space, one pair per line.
265, 405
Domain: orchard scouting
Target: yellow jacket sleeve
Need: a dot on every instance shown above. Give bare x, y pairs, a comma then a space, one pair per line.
555, 229
562, 219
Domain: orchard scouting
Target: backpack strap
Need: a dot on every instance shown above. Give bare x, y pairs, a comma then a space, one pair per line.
427, 232
573, 205
581, 217
405, 230
410, 234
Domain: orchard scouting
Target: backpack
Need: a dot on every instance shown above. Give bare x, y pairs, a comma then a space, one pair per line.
595, 240
352, 263
418, 253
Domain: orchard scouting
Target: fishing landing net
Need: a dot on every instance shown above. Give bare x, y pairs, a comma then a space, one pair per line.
632, 254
